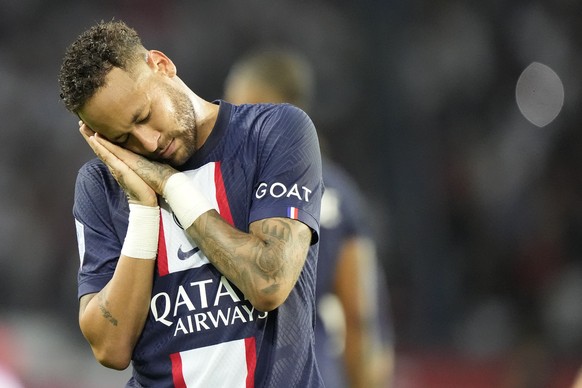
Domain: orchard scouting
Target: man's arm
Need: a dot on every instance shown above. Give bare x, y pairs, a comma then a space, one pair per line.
264, 264
113, 319
367, 363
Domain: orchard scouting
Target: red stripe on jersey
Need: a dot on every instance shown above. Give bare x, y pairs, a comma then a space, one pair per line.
251, 355
221, 198
162, 252
293, 212
177, 374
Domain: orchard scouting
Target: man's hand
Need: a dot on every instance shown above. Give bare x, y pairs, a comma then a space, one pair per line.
139, 177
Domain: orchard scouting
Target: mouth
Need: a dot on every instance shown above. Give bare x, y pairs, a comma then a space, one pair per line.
167, 151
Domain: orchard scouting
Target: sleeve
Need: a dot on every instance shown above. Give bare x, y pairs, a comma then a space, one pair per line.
290, 180
98, 239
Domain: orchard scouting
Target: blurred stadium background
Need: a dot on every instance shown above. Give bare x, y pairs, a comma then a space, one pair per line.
478, 212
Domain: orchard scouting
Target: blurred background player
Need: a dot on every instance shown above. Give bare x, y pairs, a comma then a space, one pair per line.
353, 322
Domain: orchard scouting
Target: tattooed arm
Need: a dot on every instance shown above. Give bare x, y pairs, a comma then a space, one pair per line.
112, 320
264, 264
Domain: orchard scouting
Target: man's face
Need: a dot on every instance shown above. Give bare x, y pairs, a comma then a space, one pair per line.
145, 112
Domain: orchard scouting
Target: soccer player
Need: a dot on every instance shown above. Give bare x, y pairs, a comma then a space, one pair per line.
197, 224
348, 270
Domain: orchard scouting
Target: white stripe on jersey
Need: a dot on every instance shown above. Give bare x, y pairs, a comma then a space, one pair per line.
180, 248
235, 360
80, 240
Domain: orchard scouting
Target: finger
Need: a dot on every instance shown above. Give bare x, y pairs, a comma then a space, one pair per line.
112, 153
117, 167
95, 146
93, 139
134, 186
86, 131
127, 156
153, 173
102, 152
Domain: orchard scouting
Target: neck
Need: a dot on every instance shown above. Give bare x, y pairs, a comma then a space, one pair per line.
206, 115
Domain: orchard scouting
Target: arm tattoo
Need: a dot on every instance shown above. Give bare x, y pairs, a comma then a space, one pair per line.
276, 234
129, 193
104, 311
270, 254
153, 173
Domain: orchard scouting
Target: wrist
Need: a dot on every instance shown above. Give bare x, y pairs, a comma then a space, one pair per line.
185, 199
141, 239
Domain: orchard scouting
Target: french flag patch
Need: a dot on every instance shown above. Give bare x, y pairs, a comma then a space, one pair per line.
293, 212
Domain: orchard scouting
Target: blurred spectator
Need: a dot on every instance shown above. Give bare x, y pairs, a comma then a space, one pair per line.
354, 323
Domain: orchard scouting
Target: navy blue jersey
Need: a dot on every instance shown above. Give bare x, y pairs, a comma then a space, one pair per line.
259, 161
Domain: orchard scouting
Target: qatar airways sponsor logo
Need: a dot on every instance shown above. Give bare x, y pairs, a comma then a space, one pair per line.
279, 190
202, 305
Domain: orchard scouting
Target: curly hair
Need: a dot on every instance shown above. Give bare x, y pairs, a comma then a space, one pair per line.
91, 56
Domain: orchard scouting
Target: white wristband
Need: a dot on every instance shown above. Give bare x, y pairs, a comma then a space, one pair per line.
141, 240
185, 199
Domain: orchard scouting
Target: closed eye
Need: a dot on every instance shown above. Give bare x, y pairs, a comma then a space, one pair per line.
145, 119
120, 140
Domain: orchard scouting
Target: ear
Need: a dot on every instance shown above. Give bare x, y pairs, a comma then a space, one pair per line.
159, 62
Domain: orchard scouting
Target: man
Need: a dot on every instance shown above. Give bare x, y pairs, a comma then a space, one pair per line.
348, 270
197, 224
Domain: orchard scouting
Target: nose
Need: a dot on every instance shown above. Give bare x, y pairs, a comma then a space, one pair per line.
147, 138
